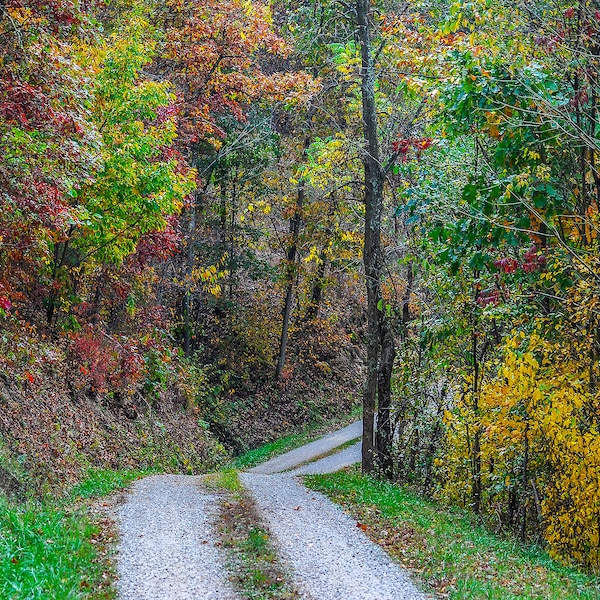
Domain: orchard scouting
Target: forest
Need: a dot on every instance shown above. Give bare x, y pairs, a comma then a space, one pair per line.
223, 219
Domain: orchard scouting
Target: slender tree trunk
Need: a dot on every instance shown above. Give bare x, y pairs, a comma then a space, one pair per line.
290, 274
380, 341
295, 223
187, 299
410, 277
317, 289
476, 453
318, 284
60, 253
231, 251
385, 431
524, 479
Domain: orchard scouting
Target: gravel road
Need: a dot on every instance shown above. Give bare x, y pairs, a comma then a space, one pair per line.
330, 464
292, 459
329, 557
167, 547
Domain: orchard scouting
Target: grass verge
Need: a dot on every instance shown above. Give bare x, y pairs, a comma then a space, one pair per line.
60, 548
290, 442
446, 550
256, 571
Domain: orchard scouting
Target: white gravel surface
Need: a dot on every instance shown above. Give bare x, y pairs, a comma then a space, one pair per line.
330, 464
329, 556
292, 459
167, 547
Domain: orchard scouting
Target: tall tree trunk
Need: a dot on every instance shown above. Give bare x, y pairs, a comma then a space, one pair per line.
410, 277
187, 298
384, 435
476, 490
290, 275
317, 288
380, 340
60, 253
318, 284
524, 480
295, 223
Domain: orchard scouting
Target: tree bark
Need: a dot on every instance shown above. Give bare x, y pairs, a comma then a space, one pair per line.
380, 340
476, 490
290, 274
187, 298
319, 283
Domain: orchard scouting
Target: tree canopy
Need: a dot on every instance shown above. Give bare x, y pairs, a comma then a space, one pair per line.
245, 195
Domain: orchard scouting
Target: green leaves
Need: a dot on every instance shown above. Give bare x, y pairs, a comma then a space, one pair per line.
141, 181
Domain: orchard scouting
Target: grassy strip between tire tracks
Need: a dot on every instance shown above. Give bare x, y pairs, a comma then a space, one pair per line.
444, 548
60, 549
257, 573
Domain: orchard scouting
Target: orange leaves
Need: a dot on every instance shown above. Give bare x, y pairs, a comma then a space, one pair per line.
223, 56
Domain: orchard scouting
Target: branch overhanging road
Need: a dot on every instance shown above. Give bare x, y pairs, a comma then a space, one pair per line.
168, 550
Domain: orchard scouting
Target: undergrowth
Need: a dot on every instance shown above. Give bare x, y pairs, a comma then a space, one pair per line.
452, 554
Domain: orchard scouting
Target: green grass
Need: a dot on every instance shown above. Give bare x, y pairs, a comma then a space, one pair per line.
55, 549
290, 442
448, 551
226, 480
101, 482
47, 553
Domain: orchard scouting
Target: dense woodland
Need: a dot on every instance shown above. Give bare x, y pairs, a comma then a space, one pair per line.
255, 215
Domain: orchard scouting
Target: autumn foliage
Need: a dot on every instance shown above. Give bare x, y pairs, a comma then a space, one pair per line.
182, 190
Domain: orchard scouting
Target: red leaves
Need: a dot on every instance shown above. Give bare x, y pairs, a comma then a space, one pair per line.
157, 245
57, 12
105, 363
27, 106
220, 51
532, 261
506, 264
5, 304
579, 99
402, 146
488, 298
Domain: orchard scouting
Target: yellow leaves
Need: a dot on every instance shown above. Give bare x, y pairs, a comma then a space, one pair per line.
210, 276
313, 256
547, 404
261, 206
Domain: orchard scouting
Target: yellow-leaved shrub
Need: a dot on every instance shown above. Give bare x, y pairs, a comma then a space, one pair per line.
537, 419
